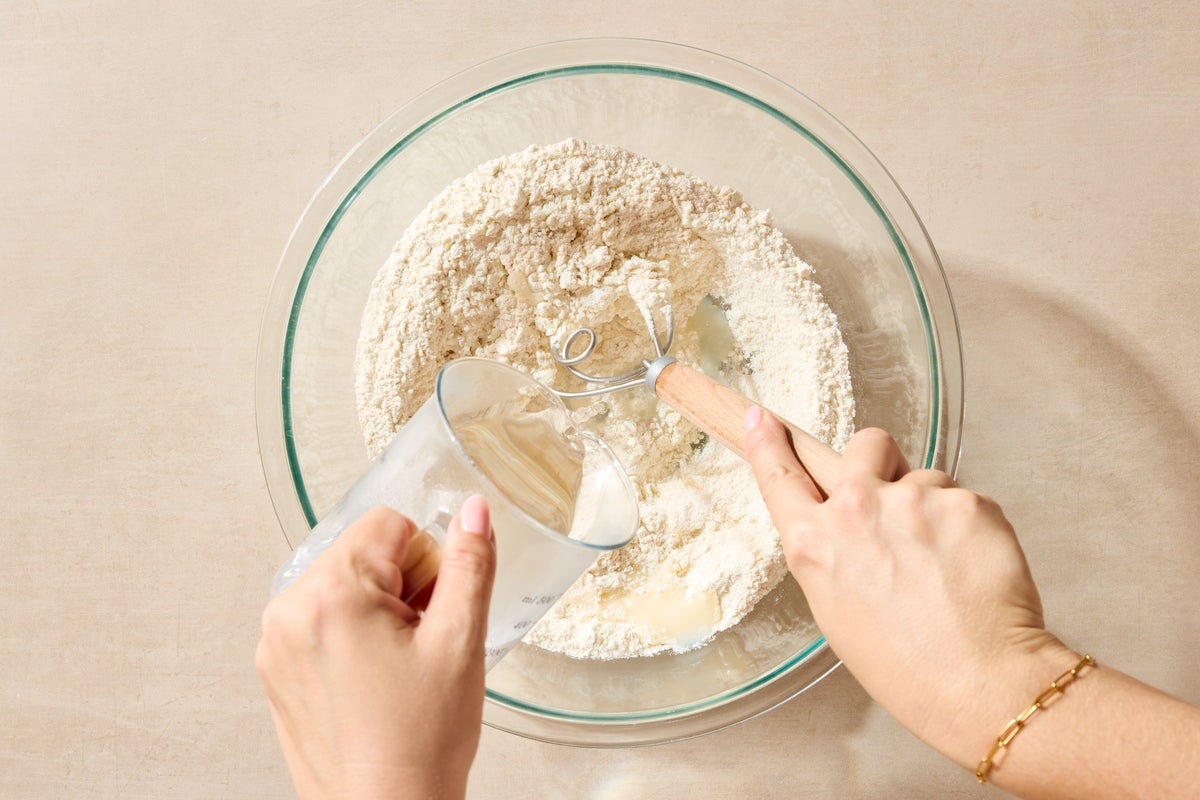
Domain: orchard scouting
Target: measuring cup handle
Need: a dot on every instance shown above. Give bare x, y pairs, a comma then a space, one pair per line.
423, 561
420, 565
721, 412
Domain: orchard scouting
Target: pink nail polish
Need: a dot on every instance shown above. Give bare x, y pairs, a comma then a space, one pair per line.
753, 417
474, 516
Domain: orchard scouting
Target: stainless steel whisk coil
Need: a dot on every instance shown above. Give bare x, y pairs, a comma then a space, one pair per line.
611, 383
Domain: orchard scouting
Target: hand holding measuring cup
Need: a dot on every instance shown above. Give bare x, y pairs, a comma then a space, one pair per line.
366, 702
557, 500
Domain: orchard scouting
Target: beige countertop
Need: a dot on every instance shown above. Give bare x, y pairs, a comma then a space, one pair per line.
155, 156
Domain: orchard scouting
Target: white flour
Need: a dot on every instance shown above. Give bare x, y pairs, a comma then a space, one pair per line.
525, 249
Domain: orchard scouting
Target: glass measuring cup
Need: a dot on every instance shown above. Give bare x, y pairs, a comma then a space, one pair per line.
426, 473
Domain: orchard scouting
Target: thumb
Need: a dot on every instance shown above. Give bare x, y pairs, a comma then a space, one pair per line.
459, 605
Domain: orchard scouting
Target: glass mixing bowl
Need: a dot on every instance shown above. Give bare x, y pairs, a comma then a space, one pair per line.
716, 118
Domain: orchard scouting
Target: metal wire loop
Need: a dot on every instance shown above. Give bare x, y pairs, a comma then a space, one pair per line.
610, 383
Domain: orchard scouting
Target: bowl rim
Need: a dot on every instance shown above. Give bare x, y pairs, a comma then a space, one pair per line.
607, 56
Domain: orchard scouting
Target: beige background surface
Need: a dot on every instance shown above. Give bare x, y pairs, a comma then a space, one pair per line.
154, 156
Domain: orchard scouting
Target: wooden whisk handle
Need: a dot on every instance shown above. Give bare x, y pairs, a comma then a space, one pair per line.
721, 413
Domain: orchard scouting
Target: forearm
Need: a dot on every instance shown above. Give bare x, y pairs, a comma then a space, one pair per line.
1106, 735
371, 781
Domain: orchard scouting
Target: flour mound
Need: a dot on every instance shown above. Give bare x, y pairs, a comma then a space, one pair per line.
511, 258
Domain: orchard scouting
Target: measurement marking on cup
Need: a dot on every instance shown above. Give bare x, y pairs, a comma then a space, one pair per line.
540, 599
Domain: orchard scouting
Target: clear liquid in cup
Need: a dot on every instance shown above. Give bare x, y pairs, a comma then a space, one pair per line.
558, 499
537, 467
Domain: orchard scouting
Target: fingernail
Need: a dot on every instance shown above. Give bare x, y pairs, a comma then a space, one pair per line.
474, 516
753, 417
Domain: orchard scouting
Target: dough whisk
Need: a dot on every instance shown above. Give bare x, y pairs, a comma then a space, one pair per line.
715, 408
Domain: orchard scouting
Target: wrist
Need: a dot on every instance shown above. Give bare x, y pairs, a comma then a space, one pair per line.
996, 692
411, 783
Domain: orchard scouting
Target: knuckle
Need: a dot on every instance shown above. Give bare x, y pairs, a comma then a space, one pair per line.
271, 621
853, 500
284, 621
876, 436
772, 478
964, 502
754, 441
795, 556
383, 515
377, 573
932, 477
988, 505
281, 617
760, 440
908, 508
971, 508
909, 496
989, 508
477, 561
379, 524
796, 537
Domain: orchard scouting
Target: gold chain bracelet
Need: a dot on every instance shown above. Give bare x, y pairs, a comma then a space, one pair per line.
1014, 726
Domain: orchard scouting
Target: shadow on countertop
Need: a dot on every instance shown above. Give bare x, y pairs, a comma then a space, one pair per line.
1076, 434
